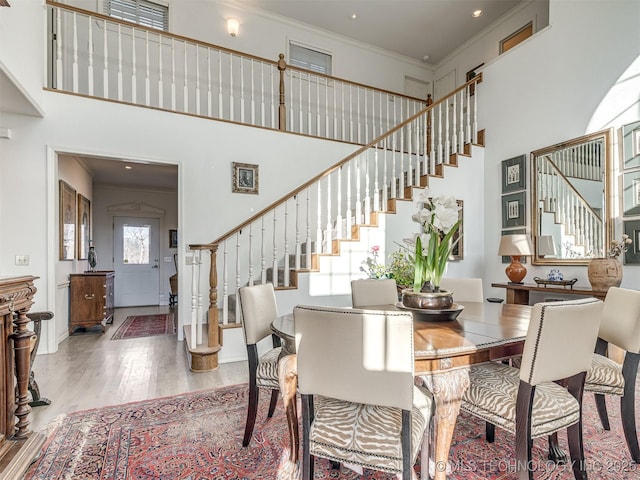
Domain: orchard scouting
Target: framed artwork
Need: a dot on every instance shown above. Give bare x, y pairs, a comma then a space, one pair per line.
67, 223
514, 174
631, 145
513, 210
632, 255
84, 227
458, 251
515, 231
173, 238
631, 193
245, 178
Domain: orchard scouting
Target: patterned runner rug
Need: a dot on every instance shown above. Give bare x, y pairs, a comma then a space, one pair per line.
145, 326
198, 436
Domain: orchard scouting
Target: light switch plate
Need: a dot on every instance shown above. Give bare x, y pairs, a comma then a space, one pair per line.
22, 260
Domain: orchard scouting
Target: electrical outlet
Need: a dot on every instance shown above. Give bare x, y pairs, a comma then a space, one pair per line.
167, 260
22, 260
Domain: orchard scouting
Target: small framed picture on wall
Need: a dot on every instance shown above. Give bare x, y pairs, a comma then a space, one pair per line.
632, 255
514, 174
513, 210
245, 178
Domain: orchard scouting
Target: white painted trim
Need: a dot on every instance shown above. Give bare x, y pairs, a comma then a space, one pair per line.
52, 253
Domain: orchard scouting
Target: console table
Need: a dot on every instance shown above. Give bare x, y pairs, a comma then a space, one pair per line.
519, 293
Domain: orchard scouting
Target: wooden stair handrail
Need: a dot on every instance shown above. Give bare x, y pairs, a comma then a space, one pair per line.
296, 191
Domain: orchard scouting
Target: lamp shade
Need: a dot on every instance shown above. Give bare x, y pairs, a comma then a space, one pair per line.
546, 245
515, 245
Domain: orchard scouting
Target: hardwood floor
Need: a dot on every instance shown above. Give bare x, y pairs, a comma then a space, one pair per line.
90, 370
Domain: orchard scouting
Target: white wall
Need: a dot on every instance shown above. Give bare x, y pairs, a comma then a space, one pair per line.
22, 37
577, 77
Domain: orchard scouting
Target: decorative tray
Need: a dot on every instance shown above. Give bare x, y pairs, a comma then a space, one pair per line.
564, 283
435, 315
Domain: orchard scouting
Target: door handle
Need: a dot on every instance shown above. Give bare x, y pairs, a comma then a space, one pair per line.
154, 266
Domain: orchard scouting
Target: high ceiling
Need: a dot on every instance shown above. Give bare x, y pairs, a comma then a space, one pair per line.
413, 28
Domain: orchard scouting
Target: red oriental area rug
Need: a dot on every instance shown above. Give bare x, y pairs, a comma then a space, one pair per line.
138, 326
198, 436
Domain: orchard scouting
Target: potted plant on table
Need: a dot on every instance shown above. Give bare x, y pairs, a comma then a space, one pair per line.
438, 217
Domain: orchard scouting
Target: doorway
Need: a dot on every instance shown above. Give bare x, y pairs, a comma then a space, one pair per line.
136, 247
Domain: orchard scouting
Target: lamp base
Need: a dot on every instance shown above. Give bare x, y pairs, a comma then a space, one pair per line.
515, 270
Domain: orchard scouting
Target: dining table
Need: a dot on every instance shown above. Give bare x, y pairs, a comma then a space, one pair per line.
444, 349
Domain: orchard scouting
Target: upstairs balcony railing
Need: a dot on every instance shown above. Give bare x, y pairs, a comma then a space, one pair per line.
99, 56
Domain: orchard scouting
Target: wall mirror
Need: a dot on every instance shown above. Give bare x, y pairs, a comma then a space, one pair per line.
571, 207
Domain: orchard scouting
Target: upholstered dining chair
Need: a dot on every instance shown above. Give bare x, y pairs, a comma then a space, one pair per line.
258, 307
527, 402
464, 289
373, 291
356, 379
620, 326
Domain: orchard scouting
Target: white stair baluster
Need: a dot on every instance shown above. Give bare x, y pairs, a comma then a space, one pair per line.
376, 186
329, 234
173, 74
286, 244
74, 64
274, 265
209, 92
90, 66
475, 116
199, 317
349, 213
356, 164
59, 62
147, 78
367, 189
185, 84
263, 254
298, 247
253, 93
160, 74
237, 303
225, 285
232, 103
447, 144
319, 248
105, 65
198, 96
339, 228
242, 103
250, 256
307, 251
134, 66
385, 195
119, 62
195, 265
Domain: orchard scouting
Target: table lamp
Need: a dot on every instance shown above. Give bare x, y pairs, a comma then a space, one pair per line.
515, 246
546, 246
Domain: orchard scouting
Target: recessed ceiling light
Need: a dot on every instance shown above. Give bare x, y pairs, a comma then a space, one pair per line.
128, 167
425, 58
354, 16
476, 13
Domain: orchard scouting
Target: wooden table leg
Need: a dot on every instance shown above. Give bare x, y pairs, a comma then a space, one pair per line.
447, 388
288, 381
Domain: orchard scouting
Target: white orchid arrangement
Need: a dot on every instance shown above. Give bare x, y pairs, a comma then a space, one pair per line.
438, 216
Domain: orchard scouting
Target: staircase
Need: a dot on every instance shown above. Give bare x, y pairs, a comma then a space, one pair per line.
319, 218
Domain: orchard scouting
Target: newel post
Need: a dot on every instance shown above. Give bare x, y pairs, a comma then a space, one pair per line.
282, 110
214, 324
429, 102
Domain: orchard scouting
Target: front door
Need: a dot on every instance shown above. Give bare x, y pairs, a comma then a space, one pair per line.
136, 245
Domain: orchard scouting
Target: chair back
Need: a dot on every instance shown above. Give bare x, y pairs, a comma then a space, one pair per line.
560, 339
258, 306
464, 289
620, 323
373, 291
359, 356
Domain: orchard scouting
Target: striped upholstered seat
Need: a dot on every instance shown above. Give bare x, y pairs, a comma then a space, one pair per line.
366, 435
527, 402
359, 402
492, 396
267, 371
605, 376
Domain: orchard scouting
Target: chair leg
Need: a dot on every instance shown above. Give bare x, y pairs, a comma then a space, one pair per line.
575, 386
405, 441
273, 403
252, 410
490, 432
524, 406
556, 454
307, 458
601, 406
627, 404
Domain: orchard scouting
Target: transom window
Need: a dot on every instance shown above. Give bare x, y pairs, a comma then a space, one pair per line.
142, 12
309, 59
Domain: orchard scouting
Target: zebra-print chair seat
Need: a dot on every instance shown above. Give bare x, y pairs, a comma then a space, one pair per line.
605, 377
492, 397
267, 371
367, 435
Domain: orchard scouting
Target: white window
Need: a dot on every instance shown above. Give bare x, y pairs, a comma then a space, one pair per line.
309, 59
142, 12
135, 244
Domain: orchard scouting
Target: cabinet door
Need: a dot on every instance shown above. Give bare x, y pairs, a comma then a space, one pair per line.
87, 298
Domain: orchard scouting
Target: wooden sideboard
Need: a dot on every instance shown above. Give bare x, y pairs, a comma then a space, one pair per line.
91, 299
18, 445
519, 293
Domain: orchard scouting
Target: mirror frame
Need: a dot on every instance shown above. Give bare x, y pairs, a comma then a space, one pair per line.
608, 220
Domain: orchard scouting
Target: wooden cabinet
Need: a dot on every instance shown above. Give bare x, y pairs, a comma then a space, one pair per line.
519, 292
91, 299
18, 445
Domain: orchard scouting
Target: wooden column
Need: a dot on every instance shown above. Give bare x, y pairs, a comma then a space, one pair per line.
282, 111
